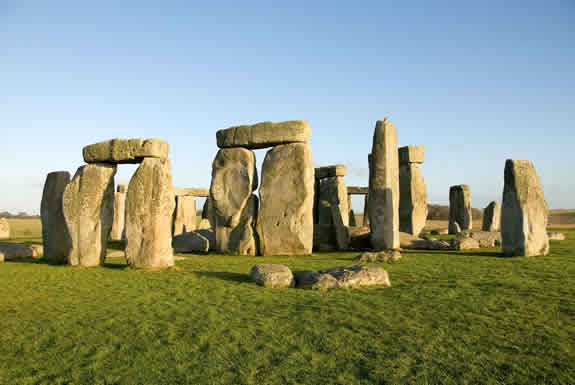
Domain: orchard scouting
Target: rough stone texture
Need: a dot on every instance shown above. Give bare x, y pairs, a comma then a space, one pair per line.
265, 134
272, 275
524, 211
117, 233
460, 208
453, 228
388, 256
465, 244
340, 229
55, 236
359, 238
190, 242
208, 212
485, 238
125, 151
333, 194
184, 215
122, 188
357, 190
195, 192
241, 239
149, 211
210, 235
16, 251
324, 238
204, 225
409, 241
285, 224
88, 206
492, 217
554, 236
344, 277
412, 199
330, 171
365, 221
4, 229
411, 154
384, 188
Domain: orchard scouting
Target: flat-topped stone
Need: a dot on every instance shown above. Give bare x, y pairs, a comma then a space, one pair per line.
356, 190
125, 150
265, 134
330, 171
411, 154
194, 192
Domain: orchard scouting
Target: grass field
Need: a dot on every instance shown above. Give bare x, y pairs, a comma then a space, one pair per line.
450, 317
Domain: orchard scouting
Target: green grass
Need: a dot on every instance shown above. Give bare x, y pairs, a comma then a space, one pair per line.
450, 317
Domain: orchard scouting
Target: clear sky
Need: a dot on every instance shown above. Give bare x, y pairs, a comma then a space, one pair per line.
476, 82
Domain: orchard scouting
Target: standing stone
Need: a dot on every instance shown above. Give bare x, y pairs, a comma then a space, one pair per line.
88, 205
117, 233
366, 201
55, 236
524, 211
234, 177
460, 208
149, 210
492, 217
333, 192
184, 215
208, 213
285, 221
413, 199
352, 221
384, 188
4, 229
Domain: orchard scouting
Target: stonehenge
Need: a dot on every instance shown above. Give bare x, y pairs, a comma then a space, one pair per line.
492, 217
460, 215
413, 193
265, 134
55, 236
117, 233
332, 206
118, 151
184, 216
4, 229
524, 211
383, 204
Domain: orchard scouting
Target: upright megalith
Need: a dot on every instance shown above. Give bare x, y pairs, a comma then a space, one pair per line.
366, 201
234, 177
413, 193
4, 229
55, 236
384, 187
460, 208
524, 211
492, 217
285, 220
117, 233
184, 215
265, 134
149, 210
88, 206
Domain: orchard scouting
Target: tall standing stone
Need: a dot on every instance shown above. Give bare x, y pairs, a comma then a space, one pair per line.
234, 177
184, 215
285, 221
55, 236
149, 211
524, 211
384, 187
492, 217
413, 193
366, 201
4, 229
88, 206
460, 208
117, 233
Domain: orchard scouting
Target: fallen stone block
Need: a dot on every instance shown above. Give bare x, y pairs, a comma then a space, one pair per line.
272, 275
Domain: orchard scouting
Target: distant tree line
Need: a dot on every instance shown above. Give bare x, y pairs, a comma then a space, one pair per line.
441, 213
21, 214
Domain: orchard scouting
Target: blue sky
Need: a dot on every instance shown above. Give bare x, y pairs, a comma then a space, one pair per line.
475, 82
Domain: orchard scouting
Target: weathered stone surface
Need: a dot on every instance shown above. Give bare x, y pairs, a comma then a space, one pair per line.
285, 223
204, 225
352, 221
272, 275
409, 241
359, 238
453, 228
524, 211
149, 211
485, 238
2, 257
384, 188
118, 227
340, 229
190, 242
333, 193
125, 150
122, 188
460, 208
4, 229
412, 200
366, 211
88, 206
555, 236
465, 244
184, 215
16, 251
492, 217
411, 154
208, 212
241, 239
344, 277
55, 236
195, 192
265, 134
324, 237
387, 256
210, 235
356, 190
330, 171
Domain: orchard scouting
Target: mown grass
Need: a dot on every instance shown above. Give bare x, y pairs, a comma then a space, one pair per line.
450, 317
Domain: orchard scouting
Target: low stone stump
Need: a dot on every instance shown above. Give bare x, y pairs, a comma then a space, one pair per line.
190, 242
486, 239
465, 244
555, 236
16, 251
4, 229
386, 256
344, 277
272, 275
408, 241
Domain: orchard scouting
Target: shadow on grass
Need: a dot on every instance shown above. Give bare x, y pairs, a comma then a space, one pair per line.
226, 276
116, 245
